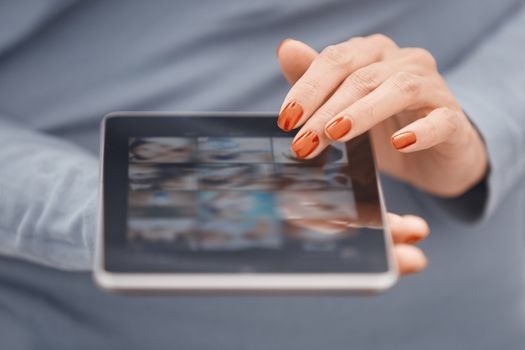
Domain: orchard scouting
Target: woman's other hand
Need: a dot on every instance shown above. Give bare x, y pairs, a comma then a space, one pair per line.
406, 231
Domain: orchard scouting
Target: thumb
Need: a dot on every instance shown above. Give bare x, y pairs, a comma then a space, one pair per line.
294, 58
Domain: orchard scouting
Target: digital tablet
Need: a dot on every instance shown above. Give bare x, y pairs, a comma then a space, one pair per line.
217, 202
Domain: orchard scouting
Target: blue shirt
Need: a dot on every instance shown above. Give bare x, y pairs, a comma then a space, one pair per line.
65, 64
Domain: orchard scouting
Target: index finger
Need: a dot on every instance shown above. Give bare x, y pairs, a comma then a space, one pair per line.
326, 73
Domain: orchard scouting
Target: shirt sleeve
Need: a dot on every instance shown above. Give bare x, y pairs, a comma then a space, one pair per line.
48, 199
490, 85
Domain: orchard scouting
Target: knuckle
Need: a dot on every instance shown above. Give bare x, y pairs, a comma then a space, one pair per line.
422, 56
441, 124
432, 130
364, 80
407, 83
449, 118
306, 89
335, 55
355, 39
383, 40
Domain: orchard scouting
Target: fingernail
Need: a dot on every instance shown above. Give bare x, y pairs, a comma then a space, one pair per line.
305, 144
339, 127
290, 116
281, 45
403, 140
412, 240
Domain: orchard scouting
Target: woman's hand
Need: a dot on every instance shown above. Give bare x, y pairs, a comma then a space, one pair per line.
419, 131
406, 231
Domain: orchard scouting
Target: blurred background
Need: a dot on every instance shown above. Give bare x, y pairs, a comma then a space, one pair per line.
64, 64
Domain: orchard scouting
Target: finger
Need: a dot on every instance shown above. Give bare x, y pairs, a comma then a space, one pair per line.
294, 58
407, 229
438, 127
308, 143
326, 73
357, 85
401, 91
410, 259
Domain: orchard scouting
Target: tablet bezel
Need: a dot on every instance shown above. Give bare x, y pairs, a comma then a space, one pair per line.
188, 283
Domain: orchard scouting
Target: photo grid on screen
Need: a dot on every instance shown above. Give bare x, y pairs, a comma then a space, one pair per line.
236, 193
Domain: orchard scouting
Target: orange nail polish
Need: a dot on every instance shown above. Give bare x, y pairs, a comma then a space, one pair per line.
305, 144
339, 127
412, 240
290, 116
403, 140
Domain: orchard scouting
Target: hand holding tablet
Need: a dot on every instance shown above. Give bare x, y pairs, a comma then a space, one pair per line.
218, 202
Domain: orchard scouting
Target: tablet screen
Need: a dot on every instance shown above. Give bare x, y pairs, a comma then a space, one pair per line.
238, 202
